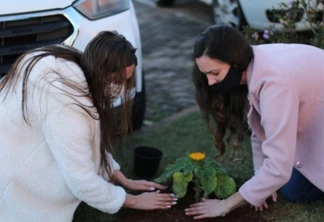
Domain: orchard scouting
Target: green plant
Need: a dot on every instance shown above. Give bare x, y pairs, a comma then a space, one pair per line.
205, 173
287, 15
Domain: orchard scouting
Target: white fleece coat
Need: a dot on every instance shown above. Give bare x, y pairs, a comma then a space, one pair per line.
50, 165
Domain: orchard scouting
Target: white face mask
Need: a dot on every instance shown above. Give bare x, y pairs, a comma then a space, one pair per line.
116, 90
117, 94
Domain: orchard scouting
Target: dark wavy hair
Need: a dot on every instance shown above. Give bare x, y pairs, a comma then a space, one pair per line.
103, 62
228, 111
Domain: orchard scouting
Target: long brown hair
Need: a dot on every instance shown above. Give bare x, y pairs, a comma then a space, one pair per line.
103, 63
228, 111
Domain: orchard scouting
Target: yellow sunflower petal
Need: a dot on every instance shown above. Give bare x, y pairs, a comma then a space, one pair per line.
198, 156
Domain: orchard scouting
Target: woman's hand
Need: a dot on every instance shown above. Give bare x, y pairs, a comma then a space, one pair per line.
208, 208
143, 185
214, 207
150, 201
265, 205
120, 178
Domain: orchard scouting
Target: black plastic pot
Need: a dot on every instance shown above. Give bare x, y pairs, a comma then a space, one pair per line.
146, 161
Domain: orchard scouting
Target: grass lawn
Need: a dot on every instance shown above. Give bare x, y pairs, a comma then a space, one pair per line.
186, 134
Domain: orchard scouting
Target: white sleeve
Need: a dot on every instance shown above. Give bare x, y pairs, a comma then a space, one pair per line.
69, 133
113, 163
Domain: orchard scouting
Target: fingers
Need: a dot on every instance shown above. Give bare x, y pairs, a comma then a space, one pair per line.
164, 205
155, 200
166, 197
199, 212
200, 204
193, 211
263, 206
275, 196
155, 185
161, 207
207, 208
164, 201
196, 208
150, 186
260, 208
201, 216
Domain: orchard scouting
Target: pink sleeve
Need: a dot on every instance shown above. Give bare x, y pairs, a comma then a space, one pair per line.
258, 155
279, 117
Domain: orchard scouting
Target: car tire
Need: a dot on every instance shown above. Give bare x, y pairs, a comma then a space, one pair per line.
228, 12
139, 107
165, 2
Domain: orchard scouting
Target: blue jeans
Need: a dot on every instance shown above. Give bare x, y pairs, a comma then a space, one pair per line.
300, 190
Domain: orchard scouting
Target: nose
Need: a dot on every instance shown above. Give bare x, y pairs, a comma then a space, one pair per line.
211, 80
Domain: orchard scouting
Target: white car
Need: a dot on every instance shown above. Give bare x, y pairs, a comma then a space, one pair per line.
26, 25
255, 13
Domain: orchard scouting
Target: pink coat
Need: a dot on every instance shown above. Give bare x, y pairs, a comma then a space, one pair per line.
286, 90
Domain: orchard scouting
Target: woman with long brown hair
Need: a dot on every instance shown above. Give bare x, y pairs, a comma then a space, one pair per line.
58, 128
276, 90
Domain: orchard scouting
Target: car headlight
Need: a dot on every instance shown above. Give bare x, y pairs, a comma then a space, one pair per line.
96, 9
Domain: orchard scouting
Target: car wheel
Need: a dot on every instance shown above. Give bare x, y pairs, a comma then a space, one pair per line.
165, 2
228, 12
139, 107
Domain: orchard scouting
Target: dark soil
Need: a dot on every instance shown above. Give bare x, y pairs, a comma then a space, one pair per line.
176, 214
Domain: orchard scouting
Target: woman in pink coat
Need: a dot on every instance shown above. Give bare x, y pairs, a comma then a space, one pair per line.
279, 88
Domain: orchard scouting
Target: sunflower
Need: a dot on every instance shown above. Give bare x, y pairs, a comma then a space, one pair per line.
198, 156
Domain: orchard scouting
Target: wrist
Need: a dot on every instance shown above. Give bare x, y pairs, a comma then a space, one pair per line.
234, 201
130, 201
126, 183
114, 176
225, 208
120, 178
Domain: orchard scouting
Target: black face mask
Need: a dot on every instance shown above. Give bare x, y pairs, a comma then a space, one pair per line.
231, 81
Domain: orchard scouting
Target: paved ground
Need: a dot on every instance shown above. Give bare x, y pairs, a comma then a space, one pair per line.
168, 35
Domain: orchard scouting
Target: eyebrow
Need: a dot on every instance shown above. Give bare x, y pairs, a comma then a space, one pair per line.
211, 71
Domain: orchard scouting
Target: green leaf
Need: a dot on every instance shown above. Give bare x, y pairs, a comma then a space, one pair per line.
197, 190
182, 160
180, 185
197, 172
189, 167
178, 177
171, 169
208, 180
164, 177
216, 165
226, 186
189, 176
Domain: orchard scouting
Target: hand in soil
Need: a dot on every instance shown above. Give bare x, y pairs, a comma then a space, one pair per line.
153, 201
265, 205
144, 185
207, 208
